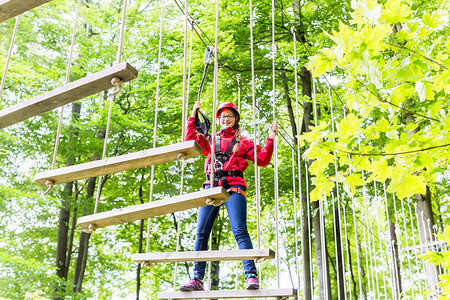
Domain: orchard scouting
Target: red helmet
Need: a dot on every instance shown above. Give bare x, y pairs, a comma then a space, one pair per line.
231, 106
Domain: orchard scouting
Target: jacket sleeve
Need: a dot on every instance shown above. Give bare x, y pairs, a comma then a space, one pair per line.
191, 134
263, 155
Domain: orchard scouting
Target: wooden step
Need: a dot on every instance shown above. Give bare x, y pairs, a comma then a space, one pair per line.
152, 209
223, 294
12, 8
63, 95
247, 254
120, 163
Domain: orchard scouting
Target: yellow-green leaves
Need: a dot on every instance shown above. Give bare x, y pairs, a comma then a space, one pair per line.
319, 64
395, 11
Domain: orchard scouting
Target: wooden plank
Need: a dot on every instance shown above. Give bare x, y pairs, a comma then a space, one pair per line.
223, 294
229, 255
152, 209
68, 93
12, 8
120, 163
426, 246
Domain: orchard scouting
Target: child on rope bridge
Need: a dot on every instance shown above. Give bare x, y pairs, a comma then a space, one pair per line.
232, 153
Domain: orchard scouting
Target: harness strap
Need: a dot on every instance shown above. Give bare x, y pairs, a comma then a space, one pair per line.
223, 158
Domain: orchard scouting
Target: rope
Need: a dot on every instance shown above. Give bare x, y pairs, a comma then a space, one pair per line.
414, 239
155, 124
277, 208
255, 162
122, 32
8, 58
69, 63
118, 84
298, 163
407, 244
183, 110
337, 184
309, 222
222, 58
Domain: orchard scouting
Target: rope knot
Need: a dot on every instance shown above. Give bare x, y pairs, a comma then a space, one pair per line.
117, 82
50, 184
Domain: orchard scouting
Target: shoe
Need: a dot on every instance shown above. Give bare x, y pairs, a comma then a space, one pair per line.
192, 285
252, 283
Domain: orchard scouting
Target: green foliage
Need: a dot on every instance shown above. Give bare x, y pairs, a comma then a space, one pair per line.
398, 127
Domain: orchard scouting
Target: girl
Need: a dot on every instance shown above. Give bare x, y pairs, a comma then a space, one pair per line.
232, 153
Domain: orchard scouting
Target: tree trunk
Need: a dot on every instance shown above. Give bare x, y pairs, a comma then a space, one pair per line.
425, 219
396, 278
289, 107
80, 264
62, 261
355, 292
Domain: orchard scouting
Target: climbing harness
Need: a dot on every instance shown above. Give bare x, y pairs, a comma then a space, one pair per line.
219, 173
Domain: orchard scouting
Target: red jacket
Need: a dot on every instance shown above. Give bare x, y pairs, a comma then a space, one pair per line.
238, 160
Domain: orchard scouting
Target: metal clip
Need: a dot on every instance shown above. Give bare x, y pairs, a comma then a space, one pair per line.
209, 53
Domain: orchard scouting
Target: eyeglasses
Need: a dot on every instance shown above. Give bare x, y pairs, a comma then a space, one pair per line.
227, 117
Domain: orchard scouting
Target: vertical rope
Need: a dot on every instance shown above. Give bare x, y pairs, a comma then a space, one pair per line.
347, 248
407, 245
367, 245
258, 200
416, 251
8, 58
68, 67
122, 33
183, 125
338, 267
389, 254
379, 233
155, 124
277, 208
299, 163
309, 224
117, 83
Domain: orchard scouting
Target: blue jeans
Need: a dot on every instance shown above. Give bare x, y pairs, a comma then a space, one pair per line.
237, 213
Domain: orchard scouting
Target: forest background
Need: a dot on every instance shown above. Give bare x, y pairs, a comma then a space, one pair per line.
388, 63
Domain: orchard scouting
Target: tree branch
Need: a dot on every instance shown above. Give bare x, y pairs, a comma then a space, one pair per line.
394, 153
381, 99
415, 52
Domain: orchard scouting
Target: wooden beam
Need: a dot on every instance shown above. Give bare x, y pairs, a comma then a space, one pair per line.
223, 294
120, 163
63, 95
12, 8
152, 209
229, 255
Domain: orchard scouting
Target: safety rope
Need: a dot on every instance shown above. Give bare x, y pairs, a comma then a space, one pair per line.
383, 253
275, 152
308, 206
155, 124
337, 218
298, 166
183, 125
8, 58
416, 251
49, 183
407, 245
117, 82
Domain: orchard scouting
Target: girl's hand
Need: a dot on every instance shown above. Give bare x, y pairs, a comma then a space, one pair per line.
196, 106
273, 130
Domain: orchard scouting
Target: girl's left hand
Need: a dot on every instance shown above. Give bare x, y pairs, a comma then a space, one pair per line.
273, 130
